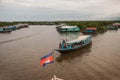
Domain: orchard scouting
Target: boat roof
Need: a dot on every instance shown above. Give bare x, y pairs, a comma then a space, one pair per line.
4, 27
80, 38
116, 24
69, 27
91, 28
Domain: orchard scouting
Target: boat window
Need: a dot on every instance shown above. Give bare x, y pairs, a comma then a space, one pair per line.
82, 42
66, 29
75, 43
65, 45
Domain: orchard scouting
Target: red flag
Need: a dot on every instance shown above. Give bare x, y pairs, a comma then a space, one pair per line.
47, 60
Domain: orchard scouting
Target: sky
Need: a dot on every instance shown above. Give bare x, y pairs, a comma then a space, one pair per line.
59, 10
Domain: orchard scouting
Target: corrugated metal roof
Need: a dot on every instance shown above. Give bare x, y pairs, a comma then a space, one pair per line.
80, 38
69, 27
91, 28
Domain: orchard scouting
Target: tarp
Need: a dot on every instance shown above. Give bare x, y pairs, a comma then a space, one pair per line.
91, 28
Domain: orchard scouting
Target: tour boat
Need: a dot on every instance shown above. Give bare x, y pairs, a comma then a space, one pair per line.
76, 44
68, 28
5, 29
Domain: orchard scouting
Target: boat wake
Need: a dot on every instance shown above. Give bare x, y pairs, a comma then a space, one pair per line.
20, 38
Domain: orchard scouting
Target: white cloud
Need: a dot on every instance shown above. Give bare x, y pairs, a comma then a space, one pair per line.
92, 9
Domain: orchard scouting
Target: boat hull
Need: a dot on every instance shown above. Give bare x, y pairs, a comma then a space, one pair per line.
72, 50
89, 32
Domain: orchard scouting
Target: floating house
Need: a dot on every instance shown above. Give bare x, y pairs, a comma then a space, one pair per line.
90, 30
73, 45
116, 24
25, 25
19, 26
5, 29
112, 27
68, 28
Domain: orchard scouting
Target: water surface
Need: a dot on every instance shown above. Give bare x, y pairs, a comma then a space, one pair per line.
20, 53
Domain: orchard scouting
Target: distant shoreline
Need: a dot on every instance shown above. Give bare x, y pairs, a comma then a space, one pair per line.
101, 25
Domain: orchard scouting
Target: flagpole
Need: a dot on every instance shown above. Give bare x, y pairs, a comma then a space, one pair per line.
53, 60
66, 34
53, 55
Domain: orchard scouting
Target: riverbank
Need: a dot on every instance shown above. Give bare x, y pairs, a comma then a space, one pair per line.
100, 25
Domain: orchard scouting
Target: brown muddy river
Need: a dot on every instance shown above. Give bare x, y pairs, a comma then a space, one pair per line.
21, 50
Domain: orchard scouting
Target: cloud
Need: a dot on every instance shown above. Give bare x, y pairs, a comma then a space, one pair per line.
61, 9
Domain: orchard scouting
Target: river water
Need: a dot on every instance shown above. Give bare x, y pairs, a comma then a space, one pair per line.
21, 50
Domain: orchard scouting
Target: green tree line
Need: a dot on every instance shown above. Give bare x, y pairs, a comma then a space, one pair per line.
100, 25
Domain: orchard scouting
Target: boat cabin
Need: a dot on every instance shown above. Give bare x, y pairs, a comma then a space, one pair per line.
75, 44
12, 27
5, 29
112, 27
90, 30
116, 24
68, 28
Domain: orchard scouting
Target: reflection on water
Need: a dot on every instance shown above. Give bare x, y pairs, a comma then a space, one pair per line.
80, 53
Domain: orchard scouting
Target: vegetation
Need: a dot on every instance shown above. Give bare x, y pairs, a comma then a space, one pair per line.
101, 25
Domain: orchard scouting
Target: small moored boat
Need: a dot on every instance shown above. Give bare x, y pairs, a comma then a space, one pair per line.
73, 45
90, 30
